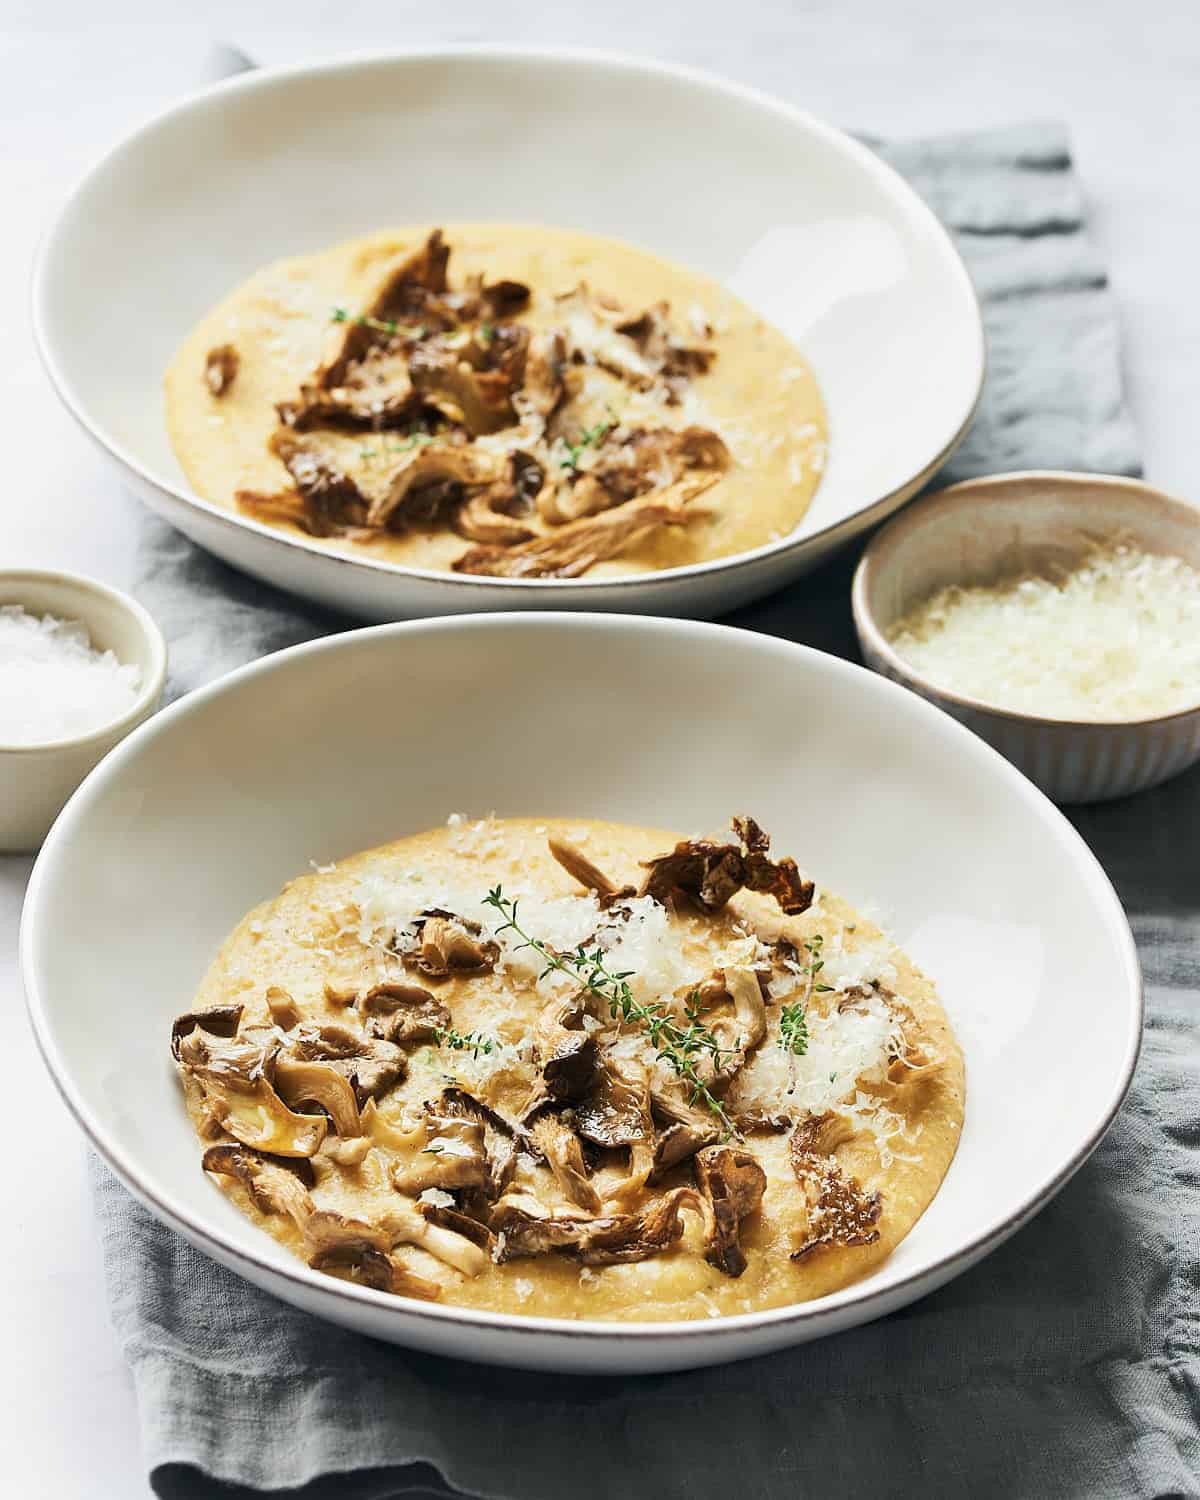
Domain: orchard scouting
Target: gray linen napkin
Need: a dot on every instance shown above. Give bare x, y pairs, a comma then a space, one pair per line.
1065, 1364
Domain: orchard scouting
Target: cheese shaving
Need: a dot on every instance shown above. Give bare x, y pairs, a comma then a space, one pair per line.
1116, 638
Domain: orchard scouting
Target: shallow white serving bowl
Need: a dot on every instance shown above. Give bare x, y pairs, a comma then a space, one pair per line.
214, 804
804, 222
985, 529
35, 780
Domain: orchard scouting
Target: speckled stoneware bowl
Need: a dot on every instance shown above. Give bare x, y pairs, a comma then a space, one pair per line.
985, 529
35, 780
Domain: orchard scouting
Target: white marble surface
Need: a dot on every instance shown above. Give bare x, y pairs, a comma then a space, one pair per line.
70, 81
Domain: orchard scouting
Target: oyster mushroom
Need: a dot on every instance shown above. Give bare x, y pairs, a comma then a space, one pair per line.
302, 1082
435, 464
579, 867
273, 1188
284, 1011
839, 1211
453, 1156
370, 1064
502, 1140
570, 550
402, 1013
740, 1034
481, 400
253, 1113
732, 1185
676, 1143
632, 464
448, 944
524, 1227
220, 368
560, 1146
567, 1051
216, 1020
709, 874
336, 1243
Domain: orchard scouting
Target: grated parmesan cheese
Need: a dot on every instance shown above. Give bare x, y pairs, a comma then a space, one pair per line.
1116, 638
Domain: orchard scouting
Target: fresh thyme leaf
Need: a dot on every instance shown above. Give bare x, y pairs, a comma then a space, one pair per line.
474, 1042
590, 437
793, 1029
486, 334
680, 1047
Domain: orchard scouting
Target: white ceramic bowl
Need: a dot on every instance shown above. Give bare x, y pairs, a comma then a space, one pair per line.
878, 794
35, 780
984, 529
803, 221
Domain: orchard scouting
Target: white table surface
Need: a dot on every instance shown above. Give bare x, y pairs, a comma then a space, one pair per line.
1126, 80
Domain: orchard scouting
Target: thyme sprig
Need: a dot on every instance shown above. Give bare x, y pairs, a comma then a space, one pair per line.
682, 1048
793, 1018
477, 1043
380, 325
793, 1029
590, 437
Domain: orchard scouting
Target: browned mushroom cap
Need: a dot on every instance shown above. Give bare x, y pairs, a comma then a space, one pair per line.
524, 1227
326, 501
449, 944
616, 1110
336, 1243
404, 1014
488, 516
220, 368
503, 299
632, 464
676, 1144
479, 400
273, 1188
434, 465
253, 1113
216, 1020
732, 1184
542, 387
579, 867
408, 293
567, 1051
737, 1035
558, 1143
284, 1010
708, 874
371, 1065
454, 1156
572, 549
502, 1139
460, 1224
839, 1211
300, 1082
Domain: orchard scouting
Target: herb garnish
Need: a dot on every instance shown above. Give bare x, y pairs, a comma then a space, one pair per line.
474, 1042
793, 1018
486, 334
680, 1047
592, 436
793, 1029
380, 325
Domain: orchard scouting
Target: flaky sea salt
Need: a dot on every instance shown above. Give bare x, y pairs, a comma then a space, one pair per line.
53, 685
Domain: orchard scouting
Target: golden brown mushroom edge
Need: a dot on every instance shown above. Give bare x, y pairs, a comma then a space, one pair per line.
573, 1069
499, 401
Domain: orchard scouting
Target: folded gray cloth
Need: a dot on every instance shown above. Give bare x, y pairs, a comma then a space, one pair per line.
1063, 1365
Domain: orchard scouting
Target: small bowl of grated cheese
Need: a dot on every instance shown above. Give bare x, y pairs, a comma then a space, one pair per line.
81, 664
1055, 614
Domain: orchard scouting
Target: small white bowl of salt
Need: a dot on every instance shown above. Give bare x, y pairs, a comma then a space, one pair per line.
81, 664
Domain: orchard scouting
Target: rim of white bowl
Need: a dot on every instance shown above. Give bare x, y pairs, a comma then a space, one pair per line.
152, 679
176, 1216
889, 180
923, 512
